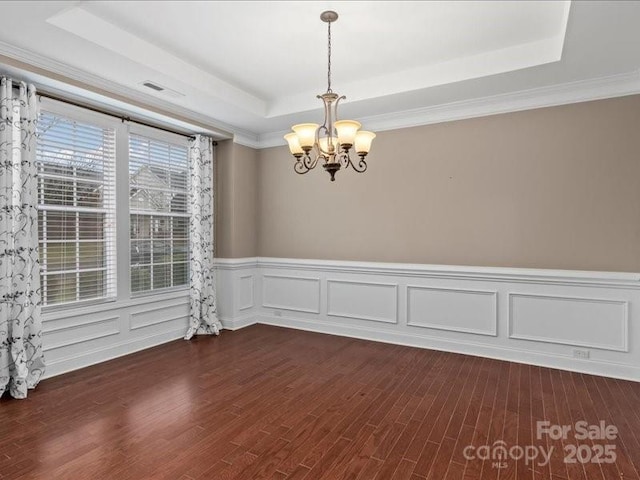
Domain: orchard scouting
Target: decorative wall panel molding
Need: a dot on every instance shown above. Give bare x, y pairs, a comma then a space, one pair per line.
160, 321
85, 354
454, 309
147, 317
376, 302
246, 292
74, 322
78, 337
84, 333
299, 294
582, 322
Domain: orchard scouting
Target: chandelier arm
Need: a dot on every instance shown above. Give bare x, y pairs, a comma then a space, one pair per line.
306, 160
343, 97
314, 162
359, 166
300, 166
324, 103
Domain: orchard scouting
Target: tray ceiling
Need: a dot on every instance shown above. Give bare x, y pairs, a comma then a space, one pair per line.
257, 66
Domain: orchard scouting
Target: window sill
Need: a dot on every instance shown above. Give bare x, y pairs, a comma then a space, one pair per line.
160, 291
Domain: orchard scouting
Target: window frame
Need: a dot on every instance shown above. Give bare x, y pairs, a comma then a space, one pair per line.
101, 121
175, 139
122, 270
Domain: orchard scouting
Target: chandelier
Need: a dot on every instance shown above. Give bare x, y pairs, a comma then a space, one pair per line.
331, 141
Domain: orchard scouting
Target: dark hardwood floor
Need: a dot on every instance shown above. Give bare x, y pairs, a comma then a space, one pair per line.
267, 402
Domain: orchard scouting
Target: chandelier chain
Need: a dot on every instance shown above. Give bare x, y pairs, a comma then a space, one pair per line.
329, 60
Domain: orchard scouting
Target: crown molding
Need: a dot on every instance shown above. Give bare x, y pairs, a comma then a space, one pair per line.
561, 94
246, 138
63, 73
50, 66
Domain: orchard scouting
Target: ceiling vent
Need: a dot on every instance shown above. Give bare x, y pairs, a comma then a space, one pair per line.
162, 90
153, 86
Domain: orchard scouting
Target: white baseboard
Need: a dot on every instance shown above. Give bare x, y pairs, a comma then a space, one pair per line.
239, 322
529, 357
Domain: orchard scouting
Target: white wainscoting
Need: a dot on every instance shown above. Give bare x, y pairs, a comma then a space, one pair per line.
291, 292
246, 288
377, 302
585, 322
78, 337
454, 309
538, 317
239, 291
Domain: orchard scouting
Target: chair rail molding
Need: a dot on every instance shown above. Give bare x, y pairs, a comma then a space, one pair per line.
539, 317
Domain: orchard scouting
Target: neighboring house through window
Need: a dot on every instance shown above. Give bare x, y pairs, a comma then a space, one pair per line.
158, 179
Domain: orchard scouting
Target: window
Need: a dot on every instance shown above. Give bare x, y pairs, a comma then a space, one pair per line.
159, 215
76, 209
86, 197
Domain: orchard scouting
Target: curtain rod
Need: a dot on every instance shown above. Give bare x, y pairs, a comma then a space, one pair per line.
111, 114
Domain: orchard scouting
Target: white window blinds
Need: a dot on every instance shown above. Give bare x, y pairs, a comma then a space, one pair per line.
159, 214
76, 202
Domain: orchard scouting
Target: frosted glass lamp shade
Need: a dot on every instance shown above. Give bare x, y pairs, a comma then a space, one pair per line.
306, 133
324, 144
363, 141
294, 144
347, 130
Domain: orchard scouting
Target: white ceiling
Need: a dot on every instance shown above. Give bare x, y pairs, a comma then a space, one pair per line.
254, 68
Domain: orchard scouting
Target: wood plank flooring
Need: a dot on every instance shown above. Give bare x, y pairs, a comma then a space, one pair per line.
273, 403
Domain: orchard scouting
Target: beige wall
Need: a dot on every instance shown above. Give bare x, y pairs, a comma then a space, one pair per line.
236, 200
549, 188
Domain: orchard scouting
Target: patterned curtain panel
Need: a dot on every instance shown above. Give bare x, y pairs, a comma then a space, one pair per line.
203, 318
21, 360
